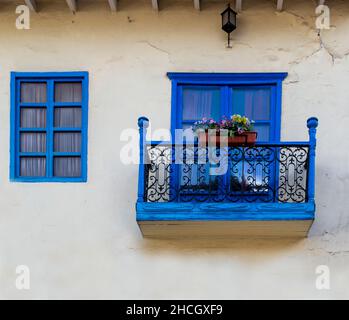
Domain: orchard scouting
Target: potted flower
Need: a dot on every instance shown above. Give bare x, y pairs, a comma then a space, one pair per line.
237, 130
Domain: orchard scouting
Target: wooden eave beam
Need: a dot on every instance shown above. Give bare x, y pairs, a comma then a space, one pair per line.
155, 4
238, 5
72, 5
31, 5
280, 5
113, 5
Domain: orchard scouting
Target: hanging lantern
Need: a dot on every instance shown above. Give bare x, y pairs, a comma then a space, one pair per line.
229, 21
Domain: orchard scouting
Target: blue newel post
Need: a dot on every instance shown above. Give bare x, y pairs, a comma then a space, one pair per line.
312, 124
143, 124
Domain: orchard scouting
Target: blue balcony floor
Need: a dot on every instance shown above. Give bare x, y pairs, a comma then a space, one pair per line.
224, 220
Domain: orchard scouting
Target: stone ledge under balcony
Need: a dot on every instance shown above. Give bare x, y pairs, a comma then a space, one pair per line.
224, 220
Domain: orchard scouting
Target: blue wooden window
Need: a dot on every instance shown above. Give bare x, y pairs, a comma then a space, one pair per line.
49, 127
213, 95
255, 102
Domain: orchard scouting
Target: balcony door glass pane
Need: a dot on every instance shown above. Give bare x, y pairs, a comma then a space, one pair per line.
254, 103
263, 131
200, 102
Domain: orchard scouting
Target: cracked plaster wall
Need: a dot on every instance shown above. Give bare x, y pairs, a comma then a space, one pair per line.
88, 245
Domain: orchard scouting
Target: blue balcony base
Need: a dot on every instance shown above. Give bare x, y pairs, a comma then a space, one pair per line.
224, 220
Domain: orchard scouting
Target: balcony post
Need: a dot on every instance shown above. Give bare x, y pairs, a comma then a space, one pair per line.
143, 124
312, 124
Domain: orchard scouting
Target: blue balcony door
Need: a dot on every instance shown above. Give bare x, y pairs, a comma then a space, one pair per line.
257, 102
255, 178
198, 102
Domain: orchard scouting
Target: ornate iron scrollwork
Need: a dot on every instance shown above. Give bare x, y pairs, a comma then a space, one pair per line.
262, 173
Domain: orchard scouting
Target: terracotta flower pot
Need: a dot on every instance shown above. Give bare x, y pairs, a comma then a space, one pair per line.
247, 138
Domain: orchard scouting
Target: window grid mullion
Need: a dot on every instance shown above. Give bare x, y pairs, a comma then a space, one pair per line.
50, 120
262, 121
17, 126
66, 129
225, 106
225, 96
68, 104
31, 105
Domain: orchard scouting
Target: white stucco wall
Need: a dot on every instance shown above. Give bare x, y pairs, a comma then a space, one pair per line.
81, 240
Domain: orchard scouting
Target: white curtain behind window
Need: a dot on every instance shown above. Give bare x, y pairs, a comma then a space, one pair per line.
67, 117
201, 102
67, 142
35, 117
33, 92
68, 92
33, 166
33, 142
67, 166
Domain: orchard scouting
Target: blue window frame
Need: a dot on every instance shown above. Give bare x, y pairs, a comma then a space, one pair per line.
49, 117
256, 95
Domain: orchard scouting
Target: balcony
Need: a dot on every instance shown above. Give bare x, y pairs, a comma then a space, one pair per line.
264, 190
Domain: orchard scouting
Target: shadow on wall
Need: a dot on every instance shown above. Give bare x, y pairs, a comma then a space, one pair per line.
267, 248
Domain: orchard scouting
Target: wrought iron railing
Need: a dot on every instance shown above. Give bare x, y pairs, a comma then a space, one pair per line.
277, 172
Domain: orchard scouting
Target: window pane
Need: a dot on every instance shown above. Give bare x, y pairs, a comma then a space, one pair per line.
252, 102
33, 117
33, 92
67, 166
33, 142
201, 102
67, 142
33, 166
68, 92
187, 126
263, 132
68, 117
